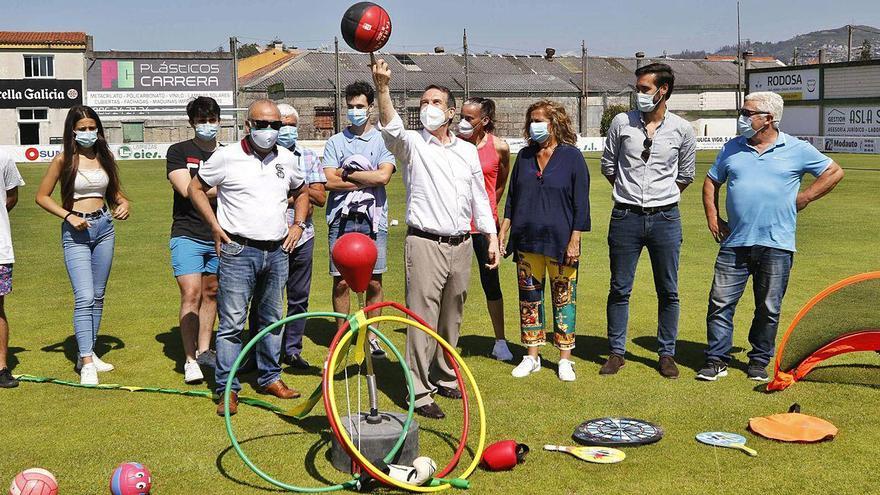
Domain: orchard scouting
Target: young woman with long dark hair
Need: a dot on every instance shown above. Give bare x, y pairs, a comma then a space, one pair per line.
91, 197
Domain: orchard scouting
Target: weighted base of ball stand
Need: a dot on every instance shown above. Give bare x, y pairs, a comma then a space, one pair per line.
378, 436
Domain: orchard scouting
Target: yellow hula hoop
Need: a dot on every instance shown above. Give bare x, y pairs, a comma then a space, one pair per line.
343, 434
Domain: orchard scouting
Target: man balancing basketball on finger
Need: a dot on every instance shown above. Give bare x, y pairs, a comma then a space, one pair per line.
444, 190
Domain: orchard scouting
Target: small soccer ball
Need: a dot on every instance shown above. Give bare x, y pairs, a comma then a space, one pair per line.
34, 481
131, 478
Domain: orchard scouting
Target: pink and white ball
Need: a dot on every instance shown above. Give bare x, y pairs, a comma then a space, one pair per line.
131, 478
34, 481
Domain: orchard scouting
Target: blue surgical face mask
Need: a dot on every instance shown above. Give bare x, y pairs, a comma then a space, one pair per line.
744, 127
207, 131
86, 139
287, 136
358, 116
645, 101
539, 132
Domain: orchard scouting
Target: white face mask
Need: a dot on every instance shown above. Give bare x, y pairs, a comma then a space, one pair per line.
646, 102
264, 138
432, 117
465, 129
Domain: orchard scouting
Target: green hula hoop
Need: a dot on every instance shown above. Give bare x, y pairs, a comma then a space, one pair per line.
354, 327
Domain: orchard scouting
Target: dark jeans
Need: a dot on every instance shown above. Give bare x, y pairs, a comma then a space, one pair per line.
299, 281
488, 278
769, 268
248, 275
628, 233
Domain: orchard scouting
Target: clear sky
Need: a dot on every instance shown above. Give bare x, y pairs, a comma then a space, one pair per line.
510, 26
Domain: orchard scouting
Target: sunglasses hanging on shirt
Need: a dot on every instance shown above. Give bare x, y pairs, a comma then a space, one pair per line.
646, 153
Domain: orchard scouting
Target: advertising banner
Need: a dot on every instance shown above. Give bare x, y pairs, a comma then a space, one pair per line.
790, 84
50, 93
153, 87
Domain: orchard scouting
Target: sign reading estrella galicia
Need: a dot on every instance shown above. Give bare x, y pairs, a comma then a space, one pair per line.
135, 87
51, 93
790, 84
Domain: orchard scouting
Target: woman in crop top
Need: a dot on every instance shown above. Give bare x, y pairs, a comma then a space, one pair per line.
91, 198
476, 126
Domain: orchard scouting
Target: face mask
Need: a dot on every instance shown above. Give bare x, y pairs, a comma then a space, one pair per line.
357, 116
86, 139
744, 127
539, 132
432, 117
645, 102
287, 135
207, 131
264, 138
465, 129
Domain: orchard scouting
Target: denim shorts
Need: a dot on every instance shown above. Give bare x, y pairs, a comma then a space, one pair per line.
349, 225
190, 256
5, 279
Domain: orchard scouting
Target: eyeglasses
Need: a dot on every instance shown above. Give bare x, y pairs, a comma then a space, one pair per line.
646, 153
263, 124
749, 113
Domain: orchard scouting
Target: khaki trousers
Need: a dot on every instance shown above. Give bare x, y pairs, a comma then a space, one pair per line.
437, 279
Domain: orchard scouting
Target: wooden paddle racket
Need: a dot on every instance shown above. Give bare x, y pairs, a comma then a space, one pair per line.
726, 440
598, 455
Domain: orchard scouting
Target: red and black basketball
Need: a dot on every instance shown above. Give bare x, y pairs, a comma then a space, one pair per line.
366, 27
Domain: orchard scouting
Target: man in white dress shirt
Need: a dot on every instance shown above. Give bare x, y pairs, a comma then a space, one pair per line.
444, 190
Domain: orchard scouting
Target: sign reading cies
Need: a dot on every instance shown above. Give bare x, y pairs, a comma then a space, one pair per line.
139, 87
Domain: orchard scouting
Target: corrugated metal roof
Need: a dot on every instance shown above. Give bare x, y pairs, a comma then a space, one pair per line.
315, 71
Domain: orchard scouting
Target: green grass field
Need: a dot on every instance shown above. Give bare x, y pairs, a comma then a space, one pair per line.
81, 435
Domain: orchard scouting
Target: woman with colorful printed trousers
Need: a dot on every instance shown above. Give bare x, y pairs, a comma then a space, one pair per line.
91, 198
548, 207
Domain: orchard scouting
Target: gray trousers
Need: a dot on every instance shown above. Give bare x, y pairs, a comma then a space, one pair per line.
437, 279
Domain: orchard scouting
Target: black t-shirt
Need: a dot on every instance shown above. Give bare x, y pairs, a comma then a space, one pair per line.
186, 220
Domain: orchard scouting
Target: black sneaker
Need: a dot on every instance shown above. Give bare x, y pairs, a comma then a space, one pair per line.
376, 350
297, 362
757, 372
6, 379
712, 371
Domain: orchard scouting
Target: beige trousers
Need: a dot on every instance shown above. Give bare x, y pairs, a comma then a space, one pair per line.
437, 278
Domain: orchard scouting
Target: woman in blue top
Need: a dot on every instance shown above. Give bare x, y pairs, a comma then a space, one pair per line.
548, 206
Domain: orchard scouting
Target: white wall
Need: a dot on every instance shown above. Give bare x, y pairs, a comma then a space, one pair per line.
714, 127
853, 82
800, 121
706, 100
68, 64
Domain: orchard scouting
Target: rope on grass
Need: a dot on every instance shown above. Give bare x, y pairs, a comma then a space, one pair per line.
250, 401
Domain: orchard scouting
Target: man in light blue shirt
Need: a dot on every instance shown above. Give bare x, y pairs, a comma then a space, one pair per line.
357, 164
763, 169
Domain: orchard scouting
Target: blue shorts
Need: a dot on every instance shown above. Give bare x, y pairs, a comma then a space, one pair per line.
190, 256
362, 226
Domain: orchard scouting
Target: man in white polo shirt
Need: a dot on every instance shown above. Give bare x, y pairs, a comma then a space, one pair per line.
444, 190
253, 179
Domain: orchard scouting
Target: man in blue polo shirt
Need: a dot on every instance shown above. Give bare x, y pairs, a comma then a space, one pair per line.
763, 169
358, 166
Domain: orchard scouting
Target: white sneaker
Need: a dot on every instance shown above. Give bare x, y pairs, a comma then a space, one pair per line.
501, 352
192, 374
101, 366
88, 375
528, 366
566, 370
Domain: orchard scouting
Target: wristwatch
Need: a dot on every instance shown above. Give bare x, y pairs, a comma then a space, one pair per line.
302, 225
345, 173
